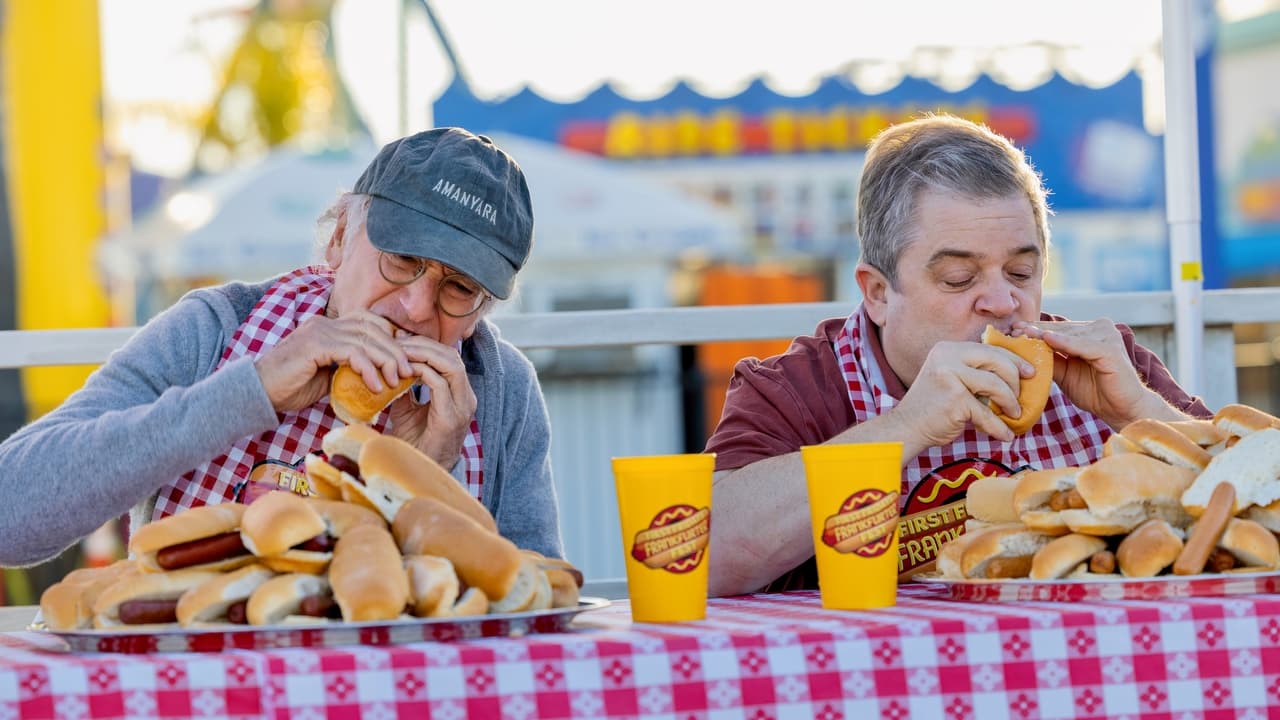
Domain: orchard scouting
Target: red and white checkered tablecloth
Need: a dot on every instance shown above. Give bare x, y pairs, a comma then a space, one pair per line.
763, 656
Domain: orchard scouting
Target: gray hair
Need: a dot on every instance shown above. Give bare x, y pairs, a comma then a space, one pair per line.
936, 152
355, 208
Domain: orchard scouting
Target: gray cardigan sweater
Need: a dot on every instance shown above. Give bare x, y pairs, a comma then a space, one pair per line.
156, 409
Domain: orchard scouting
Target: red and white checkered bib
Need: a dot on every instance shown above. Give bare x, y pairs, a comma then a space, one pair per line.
289, 302
1066, 436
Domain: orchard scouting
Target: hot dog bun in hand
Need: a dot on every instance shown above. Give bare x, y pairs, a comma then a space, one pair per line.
1033, 392
354, 403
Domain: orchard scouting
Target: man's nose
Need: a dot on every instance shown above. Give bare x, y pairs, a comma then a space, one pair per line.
419, 298
998, 299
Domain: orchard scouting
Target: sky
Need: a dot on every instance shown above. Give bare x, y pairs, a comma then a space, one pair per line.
162, 58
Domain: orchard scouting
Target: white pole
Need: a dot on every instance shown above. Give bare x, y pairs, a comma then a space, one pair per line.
1182, 192
402, 67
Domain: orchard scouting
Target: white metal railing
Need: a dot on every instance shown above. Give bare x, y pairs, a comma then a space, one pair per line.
1151, 314
692, 325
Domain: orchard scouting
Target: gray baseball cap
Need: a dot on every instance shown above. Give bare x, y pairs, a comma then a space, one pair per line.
454, 197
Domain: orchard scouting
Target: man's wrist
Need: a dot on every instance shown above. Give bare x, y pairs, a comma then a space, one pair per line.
1153, 406
889, 427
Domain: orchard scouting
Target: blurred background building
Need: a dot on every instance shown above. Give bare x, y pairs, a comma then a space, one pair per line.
678, 154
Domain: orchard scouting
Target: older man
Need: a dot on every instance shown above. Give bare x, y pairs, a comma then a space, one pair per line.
954, 230
230, 385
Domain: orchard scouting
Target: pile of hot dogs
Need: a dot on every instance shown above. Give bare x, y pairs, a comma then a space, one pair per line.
1184, 497
389, 535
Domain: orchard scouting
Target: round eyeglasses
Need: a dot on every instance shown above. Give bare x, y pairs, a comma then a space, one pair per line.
456, 294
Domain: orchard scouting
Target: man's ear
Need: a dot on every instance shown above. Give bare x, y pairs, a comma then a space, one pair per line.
875, 292
333, 251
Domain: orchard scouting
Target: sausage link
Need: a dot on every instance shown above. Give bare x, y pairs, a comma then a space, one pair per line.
1205, 535
141, 612
1220, 560
323, 542
1009, 567
321, 605
200, 551
1103, 562
348, 466
238, 613
1069, 499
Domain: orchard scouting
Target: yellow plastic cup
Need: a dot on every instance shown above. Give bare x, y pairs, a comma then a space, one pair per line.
664, 504
853, 505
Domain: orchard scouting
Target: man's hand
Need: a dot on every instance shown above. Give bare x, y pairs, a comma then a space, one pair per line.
295, 373
951, 390
439, 427
1093, 369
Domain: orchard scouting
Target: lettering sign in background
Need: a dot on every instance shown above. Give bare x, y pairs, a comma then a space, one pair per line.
789, 165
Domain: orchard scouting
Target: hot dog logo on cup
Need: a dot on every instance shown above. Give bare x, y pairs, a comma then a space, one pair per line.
676, 539
864, 524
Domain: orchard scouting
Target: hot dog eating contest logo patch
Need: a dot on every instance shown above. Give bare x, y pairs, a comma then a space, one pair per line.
934, 512
864, 524
676, 539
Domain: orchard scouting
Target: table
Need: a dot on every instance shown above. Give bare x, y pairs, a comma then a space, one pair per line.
760, 656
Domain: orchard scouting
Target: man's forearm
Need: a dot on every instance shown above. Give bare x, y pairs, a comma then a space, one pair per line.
760, 525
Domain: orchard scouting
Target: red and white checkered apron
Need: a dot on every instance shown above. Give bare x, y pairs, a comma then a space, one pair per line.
1066, 436
288, 303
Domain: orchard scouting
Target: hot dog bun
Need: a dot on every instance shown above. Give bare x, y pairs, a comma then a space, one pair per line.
1241, 420
433, 585
1163, 442
989, 499
1201, 432
145, 586
68, 603
210, 600
1033, 392
1251, 544
1033, 493
1251, 465
472, 602
277, 521
948, 560
354, 403
367, 575
1117, 444
340, 444
1268, 516
482, 558
395, 471
1001, 552
282, 595
1063, 554
1149, 549
197, 523
1123, 491
564, 580
564, 588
